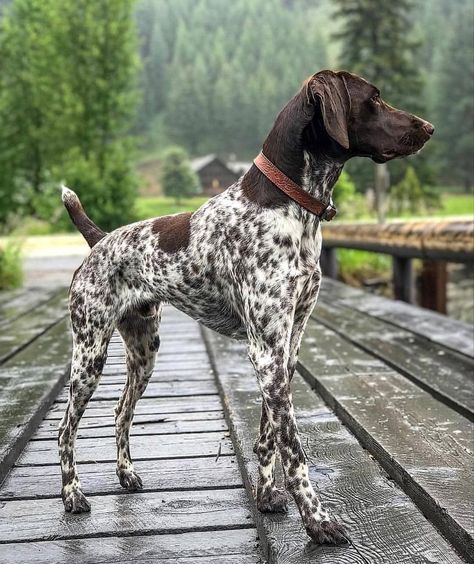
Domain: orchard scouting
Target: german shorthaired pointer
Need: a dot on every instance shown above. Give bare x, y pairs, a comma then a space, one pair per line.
246, 264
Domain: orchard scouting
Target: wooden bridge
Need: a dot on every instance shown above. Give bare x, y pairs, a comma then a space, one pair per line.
384, 400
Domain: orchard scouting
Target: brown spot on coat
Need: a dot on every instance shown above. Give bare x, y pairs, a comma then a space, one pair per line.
173, 230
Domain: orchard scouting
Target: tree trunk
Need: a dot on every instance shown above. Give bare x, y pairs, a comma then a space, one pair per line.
381, 183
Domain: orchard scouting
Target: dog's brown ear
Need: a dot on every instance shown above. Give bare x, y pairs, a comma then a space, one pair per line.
334, 98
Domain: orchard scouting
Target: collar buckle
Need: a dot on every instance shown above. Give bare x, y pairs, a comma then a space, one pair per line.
329, 212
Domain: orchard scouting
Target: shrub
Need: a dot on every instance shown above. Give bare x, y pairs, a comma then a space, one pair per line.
107, 192
11, 271
356, 267
350, 204
177, 178
410, 196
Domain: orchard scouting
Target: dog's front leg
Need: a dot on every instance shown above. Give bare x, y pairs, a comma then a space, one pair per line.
269, 357
270, 499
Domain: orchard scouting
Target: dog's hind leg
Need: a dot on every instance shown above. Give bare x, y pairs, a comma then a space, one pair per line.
139, 330
88, 358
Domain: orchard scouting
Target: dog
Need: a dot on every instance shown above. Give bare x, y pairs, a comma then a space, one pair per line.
245, 264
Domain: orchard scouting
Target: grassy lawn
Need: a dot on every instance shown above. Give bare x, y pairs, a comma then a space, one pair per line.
457, 204
156, 206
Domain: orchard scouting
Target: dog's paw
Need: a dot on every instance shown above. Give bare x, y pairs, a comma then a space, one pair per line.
130, 480
273, 501
76, 502
328, 532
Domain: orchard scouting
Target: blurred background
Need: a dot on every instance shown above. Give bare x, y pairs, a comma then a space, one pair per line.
149, 107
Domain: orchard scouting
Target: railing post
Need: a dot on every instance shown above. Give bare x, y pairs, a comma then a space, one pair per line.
432, 284
403, 283
329, 264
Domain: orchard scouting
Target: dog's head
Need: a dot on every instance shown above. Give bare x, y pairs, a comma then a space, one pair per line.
347, 114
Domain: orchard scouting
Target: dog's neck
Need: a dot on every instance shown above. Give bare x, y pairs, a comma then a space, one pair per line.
320, 174
316, 171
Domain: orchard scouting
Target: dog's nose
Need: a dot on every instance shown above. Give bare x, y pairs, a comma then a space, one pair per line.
428, 127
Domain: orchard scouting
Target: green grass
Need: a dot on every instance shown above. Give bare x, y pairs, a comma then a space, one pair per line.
457, 204
356, 266
154, 207
11, 272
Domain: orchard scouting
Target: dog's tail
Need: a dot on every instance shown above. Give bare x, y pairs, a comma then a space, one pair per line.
89, 230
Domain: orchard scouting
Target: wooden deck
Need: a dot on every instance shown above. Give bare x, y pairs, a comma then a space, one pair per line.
193, 507
384, 400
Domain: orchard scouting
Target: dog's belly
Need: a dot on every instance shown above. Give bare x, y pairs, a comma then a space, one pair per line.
215, 314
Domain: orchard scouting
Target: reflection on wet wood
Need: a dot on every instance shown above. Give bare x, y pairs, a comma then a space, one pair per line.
423, 444
193, 507
440, 371
384, 524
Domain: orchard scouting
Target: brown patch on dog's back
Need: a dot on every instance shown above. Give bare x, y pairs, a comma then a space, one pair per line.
174, 231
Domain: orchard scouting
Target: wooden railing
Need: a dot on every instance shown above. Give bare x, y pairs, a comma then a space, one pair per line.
434, 242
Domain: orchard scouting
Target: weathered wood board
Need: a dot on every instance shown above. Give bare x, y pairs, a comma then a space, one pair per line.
192, 509
146, 406
142, 447
205, 547
433, 326
21, 302
122, 515
155, 389
423, 444
384, 524
446, 374
28, 384
169, 423
22, 331
30, 482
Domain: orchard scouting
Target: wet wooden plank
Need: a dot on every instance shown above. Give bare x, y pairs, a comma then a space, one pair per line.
435, 327
146, 406
193, 347
120, 515
169, 423
23, 330
153, 390
199, 357
424, 445
29, 383
142, 447
385, 525
447, 375
21, 302
9, 295
114, 376
29, 482
214, 547
166, 368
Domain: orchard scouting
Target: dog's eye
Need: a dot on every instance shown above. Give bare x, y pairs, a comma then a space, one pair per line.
375, 98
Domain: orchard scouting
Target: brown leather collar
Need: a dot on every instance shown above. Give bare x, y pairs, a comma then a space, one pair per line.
293, 190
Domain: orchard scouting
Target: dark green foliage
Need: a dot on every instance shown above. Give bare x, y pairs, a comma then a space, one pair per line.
66, 100
177, 178
409, 196
226, 69
378, 43
454, 100
11, 271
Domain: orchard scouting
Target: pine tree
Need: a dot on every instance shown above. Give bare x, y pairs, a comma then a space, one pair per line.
177, 178
66, 100
455, 102
31, 98
378, 44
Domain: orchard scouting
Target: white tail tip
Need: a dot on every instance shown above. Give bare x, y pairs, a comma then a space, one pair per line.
67, 194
